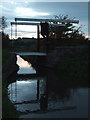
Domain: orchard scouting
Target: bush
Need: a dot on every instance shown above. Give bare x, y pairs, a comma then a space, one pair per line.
5, 41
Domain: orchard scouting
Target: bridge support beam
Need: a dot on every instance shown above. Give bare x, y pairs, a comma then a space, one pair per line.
15, 29
38, 39
37, 89
47, 44
11, 31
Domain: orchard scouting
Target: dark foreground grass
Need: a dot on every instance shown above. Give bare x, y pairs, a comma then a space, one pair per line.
5, 55
8, 110
74, 69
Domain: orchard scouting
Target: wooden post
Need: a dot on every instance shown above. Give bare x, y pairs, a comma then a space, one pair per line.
45, 34
11, 31
37, 89
47, 44
11, 91
38, 39
15, 29
16, 91
47, 40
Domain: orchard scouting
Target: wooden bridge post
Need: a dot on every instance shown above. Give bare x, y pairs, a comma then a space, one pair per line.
45, 34
47, 39
15, 29
37, 89
47, 44
11, 31
16, 91
38, 39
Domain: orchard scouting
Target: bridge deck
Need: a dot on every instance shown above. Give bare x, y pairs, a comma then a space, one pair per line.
30, 53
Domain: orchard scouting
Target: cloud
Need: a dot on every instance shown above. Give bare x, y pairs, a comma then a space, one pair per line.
22, 11
29, 35
26, 28
22, 31
46, 1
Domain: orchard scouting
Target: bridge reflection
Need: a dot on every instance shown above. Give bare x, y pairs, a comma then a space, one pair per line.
36, 89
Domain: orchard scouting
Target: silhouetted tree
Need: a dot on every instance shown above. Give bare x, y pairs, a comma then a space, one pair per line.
3, 23
5, 41
5, 37
68, 31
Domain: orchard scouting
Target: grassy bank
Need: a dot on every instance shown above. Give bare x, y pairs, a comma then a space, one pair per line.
8, 110
31, 46
74, 69
5, 55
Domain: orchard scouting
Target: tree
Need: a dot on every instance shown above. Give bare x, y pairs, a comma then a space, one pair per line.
3, 23
68, 31
5, 41
5, 37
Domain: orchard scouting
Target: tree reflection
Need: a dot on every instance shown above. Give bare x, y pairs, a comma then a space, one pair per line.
58, 88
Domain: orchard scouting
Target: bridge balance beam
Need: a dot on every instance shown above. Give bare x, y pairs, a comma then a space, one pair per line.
47, 20
38, 24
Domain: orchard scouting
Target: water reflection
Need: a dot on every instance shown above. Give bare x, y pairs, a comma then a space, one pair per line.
22, 63
48, 93
23, 89
27, 92
32, 95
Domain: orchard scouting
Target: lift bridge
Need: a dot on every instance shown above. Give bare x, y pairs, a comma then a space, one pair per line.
44, 23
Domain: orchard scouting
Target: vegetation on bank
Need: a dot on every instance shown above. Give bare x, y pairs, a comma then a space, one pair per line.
8, 110
5, 55
74, 69
32, 45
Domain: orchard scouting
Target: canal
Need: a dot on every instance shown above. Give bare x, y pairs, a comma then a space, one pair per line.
47, 95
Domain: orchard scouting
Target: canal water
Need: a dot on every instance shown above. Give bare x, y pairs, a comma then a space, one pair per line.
46, 96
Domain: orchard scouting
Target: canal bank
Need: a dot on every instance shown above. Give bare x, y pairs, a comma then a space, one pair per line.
9, 69
60, 53
61, 71
65, 55
63, 98
70, 62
